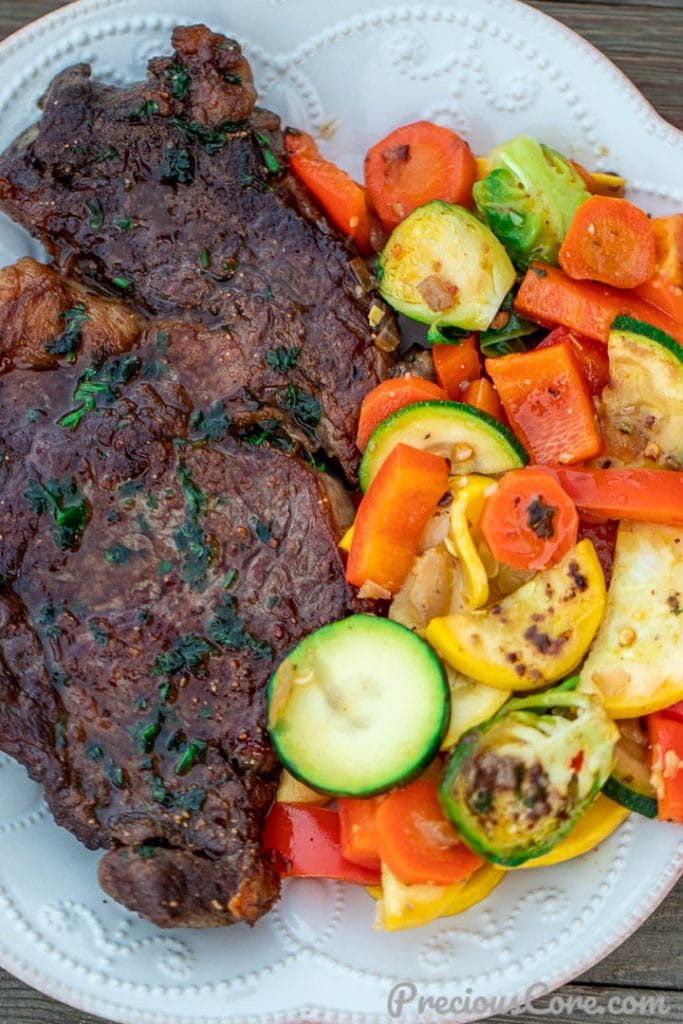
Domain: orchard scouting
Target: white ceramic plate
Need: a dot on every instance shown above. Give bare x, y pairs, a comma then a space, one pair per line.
490, 70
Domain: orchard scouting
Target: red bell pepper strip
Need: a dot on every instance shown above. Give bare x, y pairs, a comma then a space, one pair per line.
591, 354
417, 842
549, 297
667, 296
669, 247
306, 843
392, 515
603, 537
390, 396
642, 495
343, 200
548, 403
359, 831
457, 366
675, 711
666, 739
482, 395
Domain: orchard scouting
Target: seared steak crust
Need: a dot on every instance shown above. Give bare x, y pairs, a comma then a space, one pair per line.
175, 193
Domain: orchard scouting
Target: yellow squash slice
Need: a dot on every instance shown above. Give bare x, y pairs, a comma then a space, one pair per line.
534, 636
636, 661
409, 906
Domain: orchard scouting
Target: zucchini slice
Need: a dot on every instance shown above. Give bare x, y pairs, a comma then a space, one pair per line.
358, 706
474, 441
442, 266
642, 407
629, 784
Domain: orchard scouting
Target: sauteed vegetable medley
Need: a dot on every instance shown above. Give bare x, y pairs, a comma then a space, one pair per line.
519, 690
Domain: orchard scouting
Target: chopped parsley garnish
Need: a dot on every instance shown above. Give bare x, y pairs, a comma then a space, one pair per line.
60, 731
304, 407
206, 713
283, 359
266, 432
123, 223
69, 341
211, 139
100, 385
164, 567
197, 549
145, 733
540, 518
94, 751
231, 577
113, 773
96, 214
147, 852
33, 415
270, 160
192, 752
227, 628
180, 80
232, 79
146, 109
177, 166
63, 500
110, 153
99, 634
48, 616
161, 343
121, 283
191, 800
119, 554
205, 258
261, 529
188, 654
213, 425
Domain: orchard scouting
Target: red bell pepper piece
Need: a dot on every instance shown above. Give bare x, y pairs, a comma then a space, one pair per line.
591, 354
675, 711
642, 495
549, 297
666, 739
306, 843
343, 200
393, 514
359, 831
669, 247
456, 366
548, 403
482, 395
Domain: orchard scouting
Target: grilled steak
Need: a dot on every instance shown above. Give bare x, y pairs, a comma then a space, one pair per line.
174, 193
153, 568
153, 564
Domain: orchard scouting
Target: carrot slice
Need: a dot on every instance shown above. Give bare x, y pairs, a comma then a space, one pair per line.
611, 241
457, 366
592, 356
669, 247
529, 521
548, 297
416, 841
343, 200
547, 400
393, 514
415, 164
482, 395
358, 830
390, 396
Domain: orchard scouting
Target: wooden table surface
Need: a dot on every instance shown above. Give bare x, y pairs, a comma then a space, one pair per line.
646, 40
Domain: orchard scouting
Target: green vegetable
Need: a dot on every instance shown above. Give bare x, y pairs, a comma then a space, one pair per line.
96, 214
213, 425
100, 386
529, 199
177, 166
475, 441
358, 706
443, 267
227, 628
188, 654
629, 784
507, 331
283, 359
192, 752
180, 80
516, 785
642, 406
197, 548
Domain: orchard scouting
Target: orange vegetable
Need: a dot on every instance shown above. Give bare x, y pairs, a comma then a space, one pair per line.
611, 241
659, 291
548, 403
591, 354
390, 396
669, 247
416, 841
392, 515
600, 183
666, 738
643, 495
528, 521
457, 365
548, 297
343, 200
482, 395
358, 830
304, 843
415, 164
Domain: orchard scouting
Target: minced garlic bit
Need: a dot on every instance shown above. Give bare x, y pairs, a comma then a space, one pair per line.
373, 591
376, 314
462, 452
627, 637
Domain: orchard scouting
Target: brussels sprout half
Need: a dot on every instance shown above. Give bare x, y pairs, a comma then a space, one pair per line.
529, 198
516, 785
